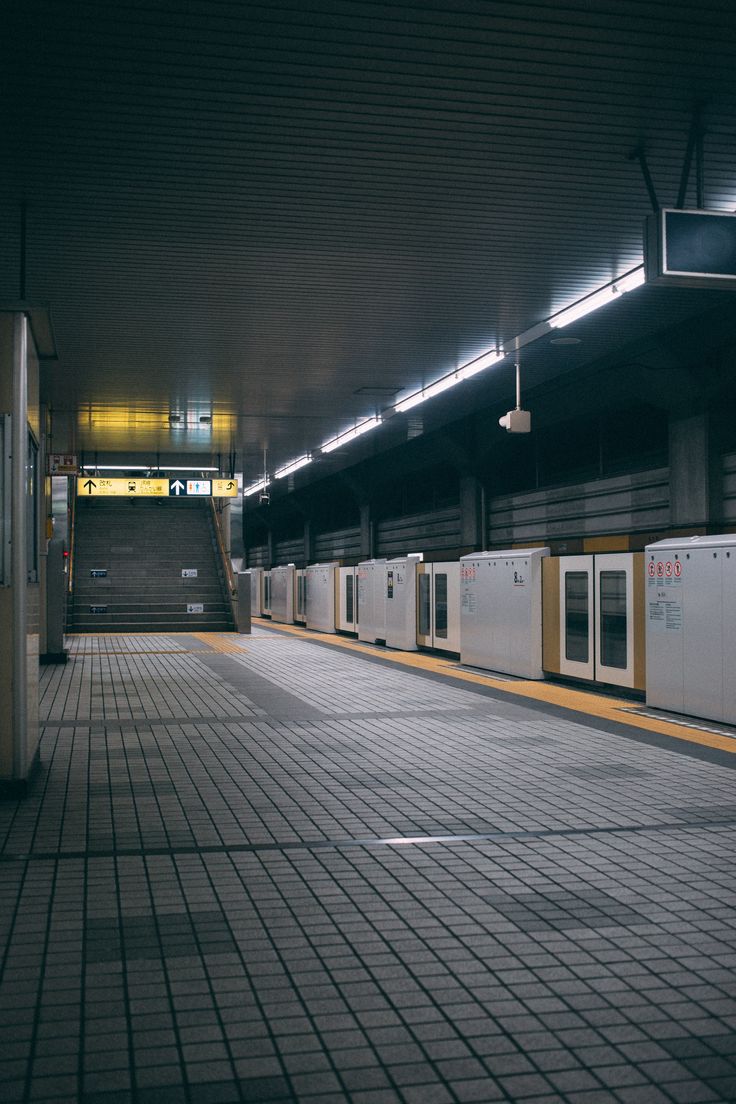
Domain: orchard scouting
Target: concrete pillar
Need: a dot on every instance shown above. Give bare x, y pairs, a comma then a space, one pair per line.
309, 534
472, 510
20, 597
696, 482
367, 532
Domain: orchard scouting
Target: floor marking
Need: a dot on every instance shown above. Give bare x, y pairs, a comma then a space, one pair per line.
587, 702
370, 841
718, 730
216, 643
152, 651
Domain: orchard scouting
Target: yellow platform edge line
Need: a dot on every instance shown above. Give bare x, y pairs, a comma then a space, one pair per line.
579, 701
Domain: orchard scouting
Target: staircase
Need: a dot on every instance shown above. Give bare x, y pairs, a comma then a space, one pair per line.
129, 559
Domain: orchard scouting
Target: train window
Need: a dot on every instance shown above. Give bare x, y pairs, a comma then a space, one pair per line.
349, 598
425, 595
613, 618
440, 604
267, 592
577, 632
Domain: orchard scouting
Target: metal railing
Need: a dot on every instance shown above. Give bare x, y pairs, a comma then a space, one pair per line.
232, 588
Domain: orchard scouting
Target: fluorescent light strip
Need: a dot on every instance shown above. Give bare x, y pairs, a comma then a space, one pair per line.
143, 467
295, 465
598, 299
350, 434
256, 487
466, 371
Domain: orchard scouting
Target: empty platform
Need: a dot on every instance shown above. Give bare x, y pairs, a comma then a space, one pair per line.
269, 869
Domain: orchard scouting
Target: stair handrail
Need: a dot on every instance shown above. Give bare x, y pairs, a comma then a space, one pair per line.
225, 559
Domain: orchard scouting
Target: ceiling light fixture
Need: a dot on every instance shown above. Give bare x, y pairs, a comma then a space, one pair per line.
350, 434
466, 371
133, 467
295, 465
598, 299
256, 487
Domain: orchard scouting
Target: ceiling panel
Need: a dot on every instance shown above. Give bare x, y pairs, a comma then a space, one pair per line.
255, 212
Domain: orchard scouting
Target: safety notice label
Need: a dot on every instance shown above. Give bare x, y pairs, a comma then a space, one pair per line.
665, 611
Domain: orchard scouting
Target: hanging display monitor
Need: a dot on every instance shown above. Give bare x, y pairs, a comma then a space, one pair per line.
691, 248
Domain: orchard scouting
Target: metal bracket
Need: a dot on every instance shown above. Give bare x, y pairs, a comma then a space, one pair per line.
694, 145
639, 154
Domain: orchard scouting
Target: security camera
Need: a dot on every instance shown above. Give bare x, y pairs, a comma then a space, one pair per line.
264, 498
516, 421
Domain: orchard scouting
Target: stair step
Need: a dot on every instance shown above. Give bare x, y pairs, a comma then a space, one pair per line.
144, 549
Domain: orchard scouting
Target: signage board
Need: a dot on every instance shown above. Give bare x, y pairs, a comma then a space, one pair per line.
189, 572
62, 463
97, 485
195, 607
98, 572
224, 488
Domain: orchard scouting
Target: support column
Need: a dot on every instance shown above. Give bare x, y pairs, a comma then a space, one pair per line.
696, 481
19, 587
472, 510
309, 534
367, 532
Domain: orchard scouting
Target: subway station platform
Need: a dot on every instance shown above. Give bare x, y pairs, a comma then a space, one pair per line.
273, 869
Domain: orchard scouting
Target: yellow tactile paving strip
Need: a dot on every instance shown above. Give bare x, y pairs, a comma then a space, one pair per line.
580, 701
220, 642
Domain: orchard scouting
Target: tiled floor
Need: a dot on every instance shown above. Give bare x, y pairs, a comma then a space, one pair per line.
216, 891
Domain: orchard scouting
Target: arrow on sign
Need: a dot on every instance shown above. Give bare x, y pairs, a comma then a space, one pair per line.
230, 485
177, 486
89, 485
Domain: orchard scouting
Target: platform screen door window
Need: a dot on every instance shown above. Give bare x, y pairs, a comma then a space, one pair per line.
440, 605
424, 604
349, 583
32, 510
612, 606
577, 621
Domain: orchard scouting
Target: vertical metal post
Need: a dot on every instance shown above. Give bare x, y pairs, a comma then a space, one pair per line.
19, 567
23, 233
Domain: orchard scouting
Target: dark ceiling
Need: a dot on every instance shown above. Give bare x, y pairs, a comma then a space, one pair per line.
284, 215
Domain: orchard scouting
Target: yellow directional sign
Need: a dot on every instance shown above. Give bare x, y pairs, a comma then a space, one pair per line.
224, 488
156, 488
98, 485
